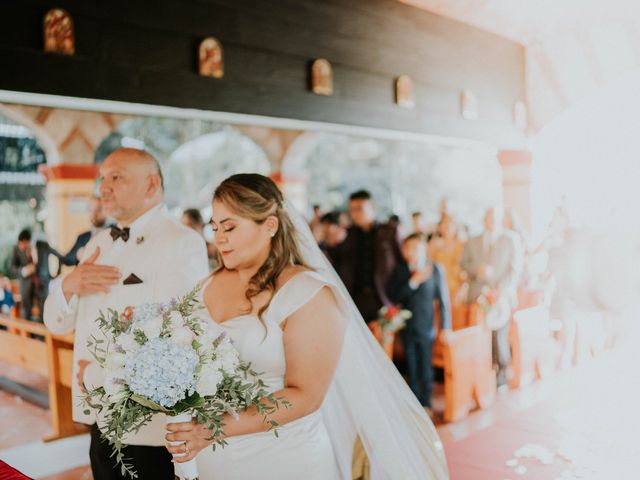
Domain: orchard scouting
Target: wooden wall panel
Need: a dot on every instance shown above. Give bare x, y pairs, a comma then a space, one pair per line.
146, 52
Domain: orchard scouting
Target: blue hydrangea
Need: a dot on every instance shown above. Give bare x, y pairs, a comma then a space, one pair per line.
162, 371
147, 311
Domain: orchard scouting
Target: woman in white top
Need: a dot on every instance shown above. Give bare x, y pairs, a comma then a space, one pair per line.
290, 316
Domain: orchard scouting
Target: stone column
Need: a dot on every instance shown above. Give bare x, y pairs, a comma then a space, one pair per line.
516, 183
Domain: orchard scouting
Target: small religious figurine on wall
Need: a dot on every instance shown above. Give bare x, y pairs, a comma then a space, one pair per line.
210, 58
321, 77
404, 92
469, 105
58, 32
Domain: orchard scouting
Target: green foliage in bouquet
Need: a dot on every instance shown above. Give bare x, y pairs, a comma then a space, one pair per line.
161, 358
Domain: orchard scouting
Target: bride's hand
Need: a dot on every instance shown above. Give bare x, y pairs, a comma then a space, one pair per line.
195, 437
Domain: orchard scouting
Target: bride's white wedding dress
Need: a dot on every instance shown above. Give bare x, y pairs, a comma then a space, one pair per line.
367, 398
303, 449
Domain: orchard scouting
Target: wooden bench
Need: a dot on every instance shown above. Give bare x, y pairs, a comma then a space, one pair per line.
463, 316
459, 316
464, 354
532, 345
52, 357
468, 370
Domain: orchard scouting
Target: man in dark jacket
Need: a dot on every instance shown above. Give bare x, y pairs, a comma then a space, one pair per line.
415, 284
23, 266
31, 266
367, 257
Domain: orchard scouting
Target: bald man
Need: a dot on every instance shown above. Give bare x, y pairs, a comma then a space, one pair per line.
147, 257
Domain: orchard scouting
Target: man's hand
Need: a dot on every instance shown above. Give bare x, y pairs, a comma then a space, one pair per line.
28, 270
88, 278
485, 272
421, 276
82, 366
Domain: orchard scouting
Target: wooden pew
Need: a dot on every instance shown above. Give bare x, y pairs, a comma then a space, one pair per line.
468, 370
463, 316
532, 345
465, 356
459, 316
17, 298
52, 357
530, 298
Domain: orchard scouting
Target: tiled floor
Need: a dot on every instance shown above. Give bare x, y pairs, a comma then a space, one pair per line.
21, 422
579, 424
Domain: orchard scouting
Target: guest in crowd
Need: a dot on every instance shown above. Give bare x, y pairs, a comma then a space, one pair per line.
332, 234
192, 218
23, 265
394, 222
345, 220
7, 301
416, 284
45, 257
98, 222
513, 227
511, 223
490, 260
367, 256
314, 223
432, 229
446, 249
464, 233
417, 223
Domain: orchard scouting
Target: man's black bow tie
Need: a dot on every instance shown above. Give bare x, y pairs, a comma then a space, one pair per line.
122, 233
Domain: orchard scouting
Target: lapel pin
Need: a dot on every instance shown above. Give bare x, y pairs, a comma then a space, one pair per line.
139, 240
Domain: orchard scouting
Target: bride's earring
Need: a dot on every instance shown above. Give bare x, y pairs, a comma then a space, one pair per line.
273, 234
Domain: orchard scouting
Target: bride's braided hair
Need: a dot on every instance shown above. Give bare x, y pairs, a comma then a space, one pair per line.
257, 197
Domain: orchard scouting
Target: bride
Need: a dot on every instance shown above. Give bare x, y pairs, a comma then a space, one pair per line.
290, 316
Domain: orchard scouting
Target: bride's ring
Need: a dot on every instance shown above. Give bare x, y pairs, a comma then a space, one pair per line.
187, 452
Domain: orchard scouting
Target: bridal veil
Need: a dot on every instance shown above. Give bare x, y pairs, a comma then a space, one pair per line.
369, 398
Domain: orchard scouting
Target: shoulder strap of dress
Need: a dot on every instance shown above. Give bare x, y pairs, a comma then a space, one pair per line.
294, 294
203, 283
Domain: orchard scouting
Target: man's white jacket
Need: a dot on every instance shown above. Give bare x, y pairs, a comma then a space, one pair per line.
168, 257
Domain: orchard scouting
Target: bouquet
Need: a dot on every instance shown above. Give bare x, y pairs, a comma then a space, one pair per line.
391, 319
160, 357
488, 297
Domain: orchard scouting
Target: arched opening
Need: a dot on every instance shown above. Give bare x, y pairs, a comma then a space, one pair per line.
22, 188
195, 155
48, 146
202, 163
402, 176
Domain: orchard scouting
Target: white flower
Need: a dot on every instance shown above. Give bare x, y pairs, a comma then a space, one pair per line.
176, 319
211, 333
114, 362
210, 377
152, 327
114, 388
127, 342
227, 356
182, 336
